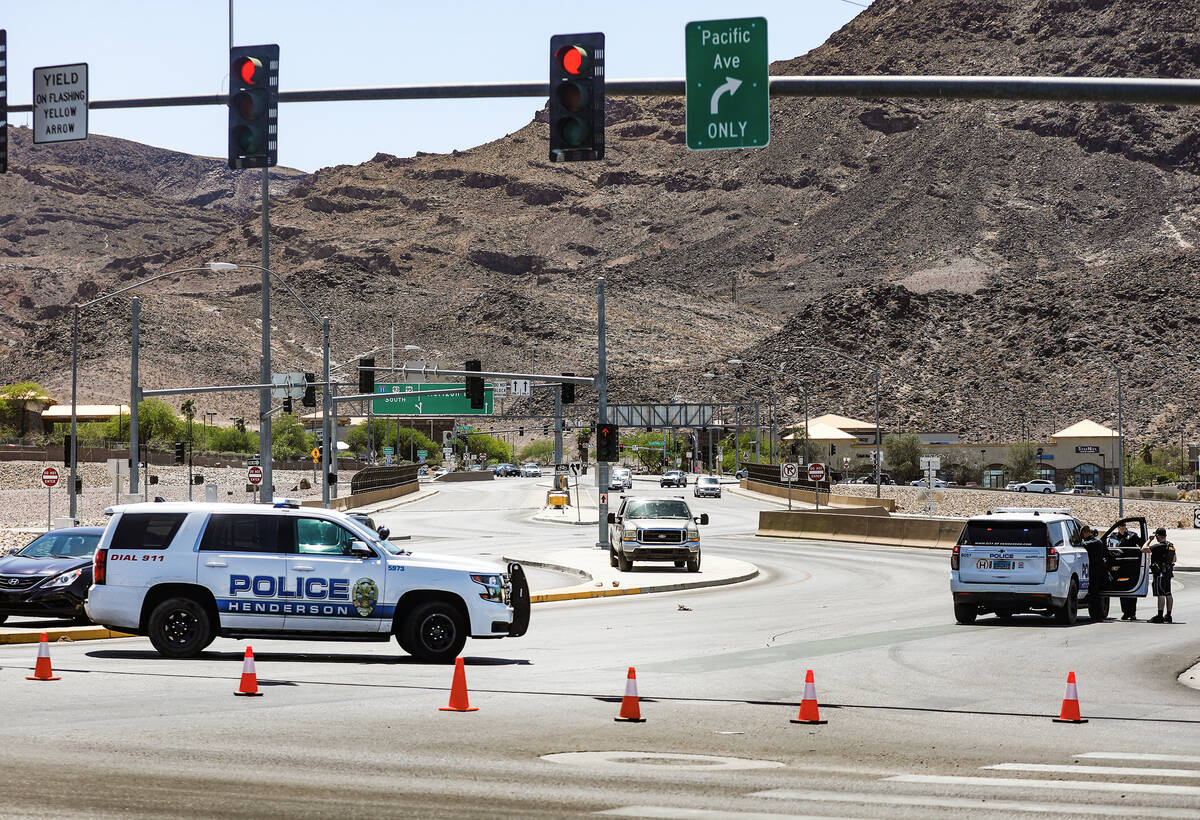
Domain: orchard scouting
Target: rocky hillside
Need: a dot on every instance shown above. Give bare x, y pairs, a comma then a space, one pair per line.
992, 256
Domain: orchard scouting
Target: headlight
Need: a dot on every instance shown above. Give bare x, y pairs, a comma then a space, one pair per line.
493, 584
629, 535
693, 534
66, 579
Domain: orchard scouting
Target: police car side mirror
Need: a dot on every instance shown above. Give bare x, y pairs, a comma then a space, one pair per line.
384, 532
612, 518
359, 549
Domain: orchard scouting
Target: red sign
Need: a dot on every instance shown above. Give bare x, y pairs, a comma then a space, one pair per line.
254, 475
49, 476
816, 472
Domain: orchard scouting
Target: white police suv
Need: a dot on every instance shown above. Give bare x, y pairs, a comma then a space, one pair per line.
1018, 559
184, 573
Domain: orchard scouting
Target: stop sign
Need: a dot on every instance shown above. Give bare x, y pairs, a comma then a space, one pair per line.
254, 475
49, 476
816, 472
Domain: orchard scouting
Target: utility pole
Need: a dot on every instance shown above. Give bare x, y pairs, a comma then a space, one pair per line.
134, 395
602, 389
325, 407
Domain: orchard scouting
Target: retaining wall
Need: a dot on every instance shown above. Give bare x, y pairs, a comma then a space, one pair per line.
936, 533
809, 497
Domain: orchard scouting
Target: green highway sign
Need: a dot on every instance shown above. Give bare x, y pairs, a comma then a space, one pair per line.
728, 97
389, 451
406, 400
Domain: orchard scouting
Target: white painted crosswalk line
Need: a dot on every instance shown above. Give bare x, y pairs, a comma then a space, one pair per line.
876, 799
1021, 783
1146, 756
1071, 768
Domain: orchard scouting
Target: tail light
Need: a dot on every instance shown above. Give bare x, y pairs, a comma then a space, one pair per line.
99, 566
954, 558
1051, 560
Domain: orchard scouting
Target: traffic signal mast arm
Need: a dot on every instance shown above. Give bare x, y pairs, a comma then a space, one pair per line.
488, 374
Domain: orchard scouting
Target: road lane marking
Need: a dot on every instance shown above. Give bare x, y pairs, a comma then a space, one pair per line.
1117, 771
971, 803
708, 814
1153, 758
1019, 783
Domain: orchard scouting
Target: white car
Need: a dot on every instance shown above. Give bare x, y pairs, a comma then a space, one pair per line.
1021, 560
620, 478
185, 573
1080, 490
531, 471
707, 485
921, 482
1037, 485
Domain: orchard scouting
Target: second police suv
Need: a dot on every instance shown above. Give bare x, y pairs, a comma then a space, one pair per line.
184, 573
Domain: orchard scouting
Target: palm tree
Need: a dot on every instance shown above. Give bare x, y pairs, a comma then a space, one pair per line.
188, 409
1147, 453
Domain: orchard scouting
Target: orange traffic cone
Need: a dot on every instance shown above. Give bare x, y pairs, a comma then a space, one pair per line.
458, 691
630, 711
808, 705
41, 669
249, 687
1070, 704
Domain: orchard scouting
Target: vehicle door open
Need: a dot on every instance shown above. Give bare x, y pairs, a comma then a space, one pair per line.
1129, 567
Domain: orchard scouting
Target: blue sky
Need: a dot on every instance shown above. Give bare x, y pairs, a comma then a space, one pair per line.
150, 48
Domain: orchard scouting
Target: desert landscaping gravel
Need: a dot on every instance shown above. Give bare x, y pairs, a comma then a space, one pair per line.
23, 499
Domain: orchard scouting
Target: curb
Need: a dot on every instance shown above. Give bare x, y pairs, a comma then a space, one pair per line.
548, 597
70, 633
534, 518
411, 498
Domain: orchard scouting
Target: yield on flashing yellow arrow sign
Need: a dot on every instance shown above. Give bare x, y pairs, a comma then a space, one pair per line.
728, 96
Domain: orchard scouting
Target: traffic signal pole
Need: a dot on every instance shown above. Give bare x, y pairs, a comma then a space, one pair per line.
558, 425
135, 387
601, 383
326, 405
264, 398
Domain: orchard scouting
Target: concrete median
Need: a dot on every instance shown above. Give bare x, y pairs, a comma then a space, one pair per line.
904, 531
810, 497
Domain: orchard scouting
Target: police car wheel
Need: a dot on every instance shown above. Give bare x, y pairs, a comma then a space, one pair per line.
180, 628
434, 632
965, 613
1098, 608
1068, 613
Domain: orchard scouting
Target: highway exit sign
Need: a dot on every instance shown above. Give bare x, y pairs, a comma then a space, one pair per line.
728, 96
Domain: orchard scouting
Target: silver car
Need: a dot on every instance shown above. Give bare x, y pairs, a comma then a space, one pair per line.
707, 486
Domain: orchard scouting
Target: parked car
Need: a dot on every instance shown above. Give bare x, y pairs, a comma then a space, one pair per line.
1080, 490
49, 576
673, 478
921, 482
1037, 485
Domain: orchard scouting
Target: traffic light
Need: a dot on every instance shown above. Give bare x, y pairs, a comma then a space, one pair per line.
475, 385
3, 100
287, 405
179, 453
253, 106
520, 431
67, 450
310, 390
366, 375
568, 391
608, 442
576, 97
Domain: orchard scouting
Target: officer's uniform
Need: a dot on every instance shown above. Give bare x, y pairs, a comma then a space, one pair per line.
1162, 566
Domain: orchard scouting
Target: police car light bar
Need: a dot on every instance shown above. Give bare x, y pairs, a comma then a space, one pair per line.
1035, 510
287, 503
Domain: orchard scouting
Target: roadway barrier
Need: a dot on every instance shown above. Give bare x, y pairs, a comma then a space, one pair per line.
827, 525
363, 499
809, 497
473, 475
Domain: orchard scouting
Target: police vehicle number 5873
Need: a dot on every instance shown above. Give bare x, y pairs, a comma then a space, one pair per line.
183, 574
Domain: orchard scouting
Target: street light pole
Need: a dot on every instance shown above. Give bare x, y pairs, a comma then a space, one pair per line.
1120, 446
74, 398
878, 436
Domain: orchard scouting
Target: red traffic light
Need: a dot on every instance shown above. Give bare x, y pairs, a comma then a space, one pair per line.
248, 69
572, 58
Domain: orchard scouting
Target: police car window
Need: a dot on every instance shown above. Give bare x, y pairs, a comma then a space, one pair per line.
241, 532
1005, 534
316, 536
1058, 533
146, 531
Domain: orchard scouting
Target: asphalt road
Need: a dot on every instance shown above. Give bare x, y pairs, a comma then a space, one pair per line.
926, 718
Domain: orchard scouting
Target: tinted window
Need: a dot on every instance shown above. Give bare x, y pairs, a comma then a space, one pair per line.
1005, 534
315, 536
146, 531
247, 533
55, 545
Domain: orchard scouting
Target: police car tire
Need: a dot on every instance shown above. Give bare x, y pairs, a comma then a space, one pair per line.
174, 613
445, 620
1098, 608
1068, 613
965, 613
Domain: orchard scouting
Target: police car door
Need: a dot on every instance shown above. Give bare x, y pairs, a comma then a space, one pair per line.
1130, 570
336, 590
243, 560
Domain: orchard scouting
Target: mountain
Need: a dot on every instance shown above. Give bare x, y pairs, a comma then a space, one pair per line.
992, 257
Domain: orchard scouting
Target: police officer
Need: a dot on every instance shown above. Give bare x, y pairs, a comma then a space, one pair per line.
1122, 540
1162, 568
1097, 560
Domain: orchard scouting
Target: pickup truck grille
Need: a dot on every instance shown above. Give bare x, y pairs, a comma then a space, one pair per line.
660, 536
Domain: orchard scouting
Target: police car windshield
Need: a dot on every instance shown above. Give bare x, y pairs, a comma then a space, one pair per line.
657, 509
1005, 534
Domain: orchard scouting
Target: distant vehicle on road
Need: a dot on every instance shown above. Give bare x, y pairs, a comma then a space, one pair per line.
531, 470
505, 469
707, 486
742, 473
1080, 490
620, 478
49, 577
1037, 485
673, 478
654, 529
439, 472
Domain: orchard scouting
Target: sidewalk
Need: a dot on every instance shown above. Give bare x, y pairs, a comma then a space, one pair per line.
1187, 549
603, 580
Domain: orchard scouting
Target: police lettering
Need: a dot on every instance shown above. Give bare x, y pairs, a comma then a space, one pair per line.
270, 586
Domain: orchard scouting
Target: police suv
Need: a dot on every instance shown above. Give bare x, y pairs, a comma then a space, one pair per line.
184, 573
1018, 559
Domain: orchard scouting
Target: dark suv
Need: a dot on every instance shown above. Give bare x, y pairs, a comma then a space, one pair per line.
50, 576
